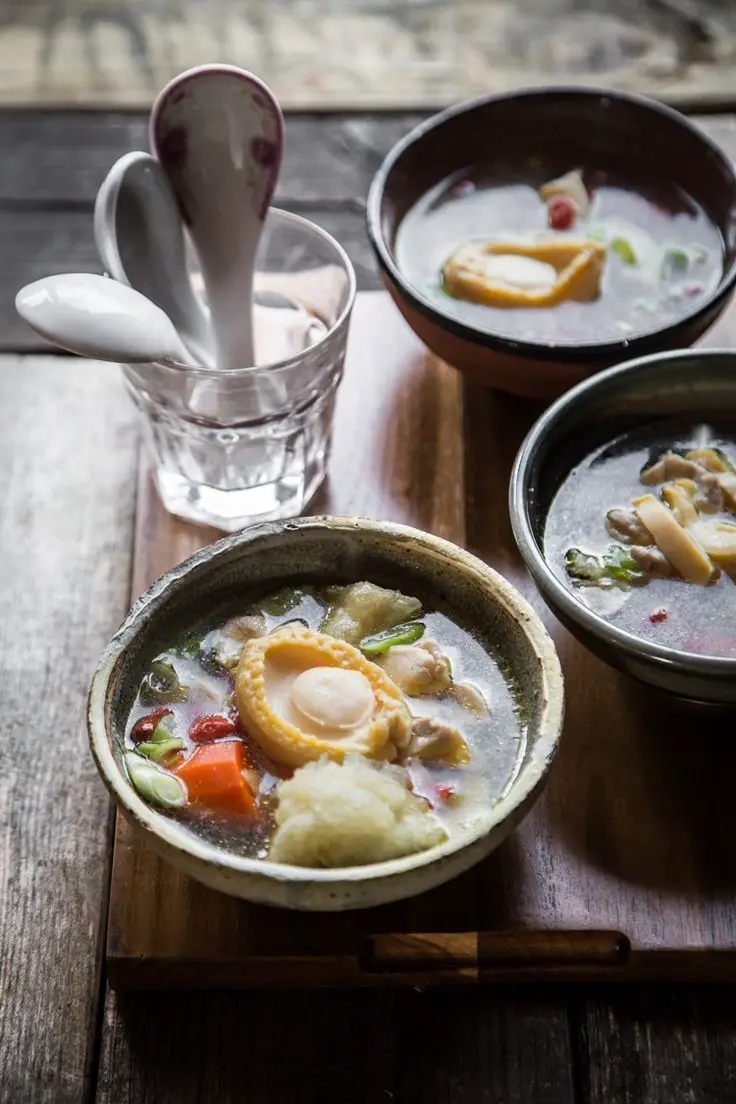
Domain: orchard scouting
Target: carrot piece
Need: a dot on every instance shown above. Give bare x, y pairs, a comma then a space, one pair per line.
213, 777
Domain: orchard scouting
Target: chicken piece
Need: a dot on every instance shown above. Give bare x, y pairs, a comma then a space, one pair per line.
247, 627
417, 669
485, 272
233, 636
680, 502
470, 698
435, 740
669, 467
570, 185
708, 496
680, 548
624, 525
651, 560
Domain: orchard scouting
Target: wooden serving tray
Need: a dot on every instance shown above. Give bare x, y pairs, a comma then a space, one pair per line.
624, 870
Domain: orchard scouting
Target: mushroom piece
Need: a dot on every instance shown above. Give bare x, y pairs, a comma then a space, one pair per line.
624, 525
669, 467
713, 460
680, 548
417, 669
709, 496
432, 739
651, 560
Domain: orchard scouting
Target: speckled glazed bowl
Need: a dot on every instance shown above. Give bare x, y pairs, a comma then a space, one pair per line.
330, 549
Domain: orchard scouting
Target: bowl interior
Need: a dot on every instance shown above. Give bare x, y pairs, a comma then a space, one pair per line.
229, 575
533, 136
686, 387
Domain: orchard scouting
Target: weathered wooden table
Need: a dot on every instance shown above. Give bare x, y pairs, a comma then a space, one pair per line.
68, 456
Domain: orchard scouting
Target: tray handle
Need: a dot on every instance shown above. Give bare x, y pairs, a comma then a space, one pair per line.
496, 950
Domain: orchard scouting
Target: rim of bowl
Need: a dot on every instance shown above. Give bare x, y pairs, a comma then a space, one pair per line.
524, 784
287, 362
637, 343
532, 554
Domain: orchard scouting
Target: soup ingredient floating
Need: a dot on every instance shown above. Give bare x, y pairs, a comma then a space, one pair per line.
275, 732
584, 258
518, 274
682, 533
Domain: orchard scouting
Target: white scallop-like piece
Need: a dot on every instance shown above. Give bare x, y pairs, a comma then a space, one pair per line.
333, 697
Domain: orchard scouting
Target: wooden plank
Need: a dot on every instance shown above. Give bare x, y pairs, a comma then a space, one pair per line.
48, 184
369, 53
56, 158
311, 1048
655, 1046
67, 453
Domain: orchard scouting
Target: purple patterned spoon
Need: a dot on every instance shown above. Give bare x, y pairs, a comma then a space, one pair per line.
219, 134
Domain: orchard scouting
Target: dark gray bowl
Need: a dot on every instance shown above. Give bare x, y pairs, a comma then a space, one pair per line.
697, 385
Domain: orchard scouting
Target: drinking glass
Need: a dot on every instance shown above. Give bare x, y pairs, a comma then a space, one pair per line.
239, 445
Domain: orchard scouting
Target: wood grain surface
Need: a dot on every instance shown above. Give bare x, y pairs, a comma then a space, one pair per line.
369, 53
48, 186
590, 1045
622, 869
67, 448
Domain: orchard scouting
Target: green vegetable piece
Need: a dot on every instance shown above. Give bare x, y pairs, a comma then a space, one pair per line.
161, 751
619, 566
625, 250
363, 609
675, 262
614, 568
161, 685
154, 784
189, 646
382, 642
584, 566
282, 601
164, 730
595, 232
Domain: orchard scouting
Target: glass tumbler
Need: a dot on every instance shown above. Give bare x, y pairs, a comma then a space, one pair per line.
239, 445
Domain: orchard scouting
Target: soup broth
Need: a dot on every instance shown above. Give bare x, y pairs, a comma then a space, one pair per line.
235, 708
578, 537
663, 256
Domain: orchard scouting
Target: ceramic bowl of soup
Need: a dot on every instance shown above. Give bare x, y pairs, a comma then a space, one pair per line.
623, 505
327, 713
532, 239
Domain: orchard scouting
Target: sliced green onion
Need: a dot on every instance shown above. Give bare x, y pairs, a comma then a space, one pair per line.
381, 642
161, 685
675, 262
161, 751
154, 784
625, 250
595, 232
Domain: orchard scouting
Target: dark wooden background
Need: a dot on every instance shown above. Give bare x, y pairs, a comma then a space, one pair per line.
68, 449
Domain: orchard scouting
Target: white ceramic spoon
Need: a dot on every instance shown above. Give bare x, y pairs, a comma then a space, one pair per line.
140, 241
100, 318
218, 133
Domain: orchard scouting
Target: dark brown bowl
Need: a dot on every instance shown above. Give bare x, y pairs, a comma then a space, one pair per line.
604, 130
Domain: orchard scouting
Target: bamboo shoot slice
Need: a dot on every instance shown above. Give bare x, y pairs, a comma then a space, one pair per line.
680, 502
680, 548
